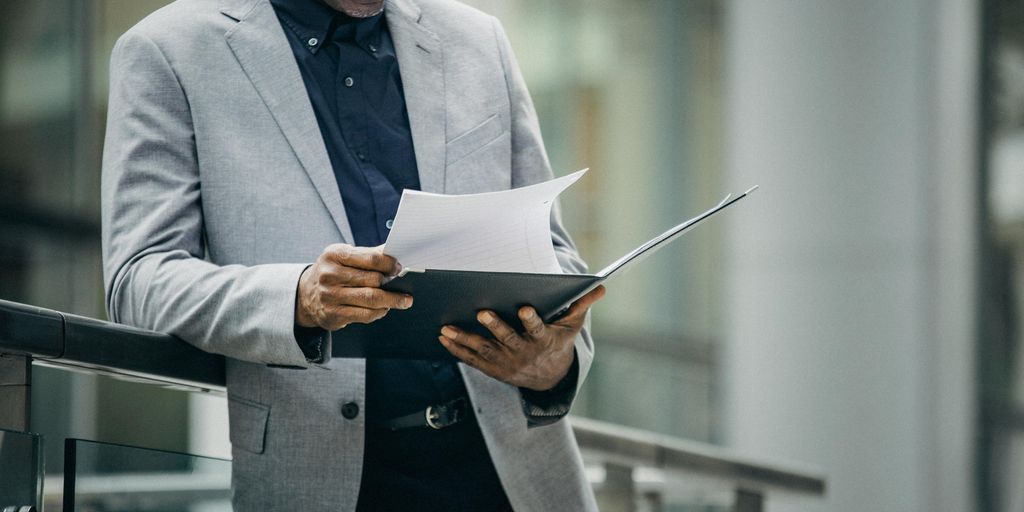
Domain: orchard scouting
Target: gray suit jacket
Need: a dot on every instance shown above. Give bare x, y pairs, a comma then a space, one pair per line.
218, 191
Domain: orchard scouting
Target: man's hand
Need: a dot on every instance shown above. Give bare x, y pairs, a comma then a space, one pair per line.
343, 287
536, 359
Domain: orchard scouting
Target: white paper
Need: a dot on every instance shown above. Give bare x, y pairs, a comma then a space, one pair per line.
506, 231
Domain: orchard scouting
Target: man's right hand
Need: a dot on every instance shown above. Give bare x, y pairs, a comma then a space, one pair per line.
343, 287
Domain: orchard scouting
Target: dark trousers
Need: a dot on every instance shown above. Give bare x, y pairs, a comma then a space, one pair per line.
430, 470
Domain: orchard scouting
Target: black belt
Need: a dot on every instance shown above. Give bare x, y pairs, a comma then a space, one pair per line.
436, 416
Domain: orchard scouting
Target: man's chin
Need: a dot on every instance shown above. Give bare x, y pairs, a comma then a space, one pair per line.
357, 8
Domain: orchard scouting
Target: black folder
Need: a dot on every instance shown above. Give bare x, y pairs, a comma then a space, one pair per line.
443, 297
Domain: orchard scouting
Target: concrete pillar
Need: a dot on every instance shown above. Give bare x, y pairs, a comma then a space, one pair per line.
850, 274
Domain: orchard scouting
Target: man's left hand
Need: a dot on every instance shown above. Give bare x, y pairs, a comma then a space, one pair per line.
537, 358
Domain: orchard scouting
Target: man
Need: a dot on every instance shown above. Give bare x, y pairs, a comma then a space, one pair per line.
247, 138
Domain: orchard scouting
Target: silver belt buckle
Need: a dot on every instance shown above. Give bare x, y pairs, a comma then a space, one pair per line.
432, 417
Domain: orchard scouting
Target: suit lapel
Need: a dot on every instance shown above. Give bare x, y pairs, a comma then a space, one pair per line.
420, 63
259, 44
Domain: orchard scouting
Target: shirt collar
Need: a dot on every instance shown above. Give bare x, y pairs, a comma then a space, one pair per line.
364, 31
313, 22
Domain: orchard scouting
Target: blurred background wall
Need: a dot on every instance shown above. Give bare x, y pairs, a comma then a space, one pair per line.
851, 295
860, 313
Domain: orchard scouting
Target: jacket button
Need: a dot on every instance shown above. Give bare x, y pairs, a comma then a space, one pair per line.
350, 410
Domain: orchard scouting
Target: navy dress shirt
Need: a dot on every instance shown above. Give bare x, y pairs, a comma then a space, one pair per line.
351, 75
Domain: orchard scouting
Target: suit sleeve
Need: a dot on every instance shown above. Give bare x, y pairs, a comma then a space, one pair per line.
155, 274
530, 165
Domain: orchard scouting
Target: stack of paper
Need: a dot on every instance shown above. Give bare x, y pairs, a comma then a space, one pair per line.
506, 231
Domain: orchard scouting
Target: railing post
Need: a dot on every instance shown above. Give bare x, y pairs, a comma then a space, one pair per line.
748, 501
652, 501
15, 392
617, 494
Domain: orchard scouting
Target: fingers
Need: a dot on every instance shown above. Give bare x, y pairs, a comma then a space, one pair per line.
533, 325
474, 350
341, 316
371, 298
343, 306
343, 287
502, 332
366, 258
482, 347
471, 357
578, 310
352, 276
336, 274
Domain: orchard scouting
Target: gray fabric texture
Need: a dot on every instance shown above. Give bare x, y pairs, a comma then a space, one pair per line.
218, 191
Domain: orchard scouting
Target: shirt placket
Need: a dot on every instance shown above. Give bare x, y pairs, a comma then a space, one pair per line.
353, 77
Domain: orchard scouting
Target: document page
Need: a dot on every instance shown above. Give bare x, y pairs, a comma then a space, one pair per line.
504, 231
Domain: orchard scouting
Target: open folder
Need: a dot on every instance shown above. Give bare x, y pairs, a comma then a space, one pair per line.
454, 297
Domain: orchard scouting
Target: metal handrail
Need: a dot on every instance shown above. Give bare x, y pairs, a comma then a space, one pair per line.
53, 338
641, 448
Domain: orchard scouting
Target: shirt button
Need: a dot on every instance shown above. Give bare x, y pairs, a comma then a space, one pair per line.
390, 223
313, 41
349, 82
361, 156
436, 366
350, 410
373, 49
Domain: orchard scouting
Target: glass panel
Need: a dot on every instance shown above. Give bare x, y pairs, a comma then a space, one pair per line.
21, 469
118, 478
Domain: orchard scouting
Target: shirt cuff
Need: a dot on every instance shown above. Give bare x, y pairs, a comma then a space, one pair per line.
547, 407
311, 342
309, 339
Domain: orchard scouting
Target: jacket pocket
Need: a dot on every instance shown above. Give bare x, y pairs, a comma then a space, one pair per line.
473, 139
248, 424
